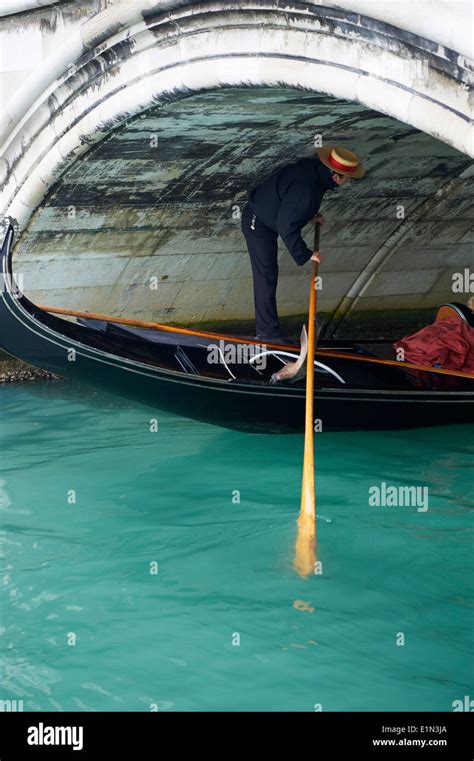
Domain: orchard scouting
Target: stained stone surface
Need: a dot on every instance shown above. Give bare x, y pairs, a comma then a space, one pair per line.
146, 224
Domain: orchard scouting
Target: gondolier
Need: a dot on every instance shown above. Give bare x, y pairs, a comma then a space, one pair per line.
282, 206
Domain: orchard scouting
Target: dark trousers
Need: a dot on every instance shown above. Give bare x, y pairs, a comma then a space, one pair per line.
262, 244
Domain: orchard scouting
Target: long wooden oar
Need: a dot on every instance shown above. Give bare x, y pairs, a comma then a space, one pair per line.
305, 550
157, 326
237, 339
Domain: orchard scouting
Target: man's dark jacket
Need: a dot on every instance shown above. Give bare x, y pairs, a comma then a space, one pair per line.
289, 198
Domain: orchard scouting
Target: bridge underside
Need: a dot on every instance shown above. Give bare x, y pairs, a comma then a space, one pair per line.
146, 224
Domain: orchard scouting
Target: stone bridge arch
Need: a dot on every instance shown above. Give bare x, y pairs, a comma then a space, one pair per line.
133, 56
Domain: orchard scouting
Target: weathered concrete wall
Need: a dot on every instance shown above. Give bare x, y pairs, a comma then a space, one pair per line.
98, 223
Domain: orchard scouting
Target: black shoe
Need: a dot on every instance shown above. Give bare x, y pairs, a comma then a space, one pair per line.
276, 339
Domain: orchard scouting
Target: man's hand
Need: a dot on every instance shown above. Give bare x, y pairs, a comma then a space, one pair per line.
319, 218
317, 257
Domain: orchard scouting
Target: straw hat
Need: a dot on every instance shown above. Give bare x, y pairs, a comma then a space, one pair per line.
342, 161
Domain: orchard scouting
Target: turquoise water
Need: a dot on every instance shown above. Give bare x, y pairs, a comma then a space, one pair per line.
86, 625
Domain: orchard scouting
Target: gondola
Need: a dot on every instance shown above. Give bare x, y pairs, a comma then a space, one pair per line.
358, 384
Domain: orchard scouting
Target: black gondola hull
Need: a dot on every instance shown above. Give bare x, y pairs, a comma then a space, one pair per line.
348, 394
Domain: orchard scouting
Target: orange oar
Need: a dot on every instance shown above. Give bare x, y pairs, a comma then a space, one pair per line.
305, 550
